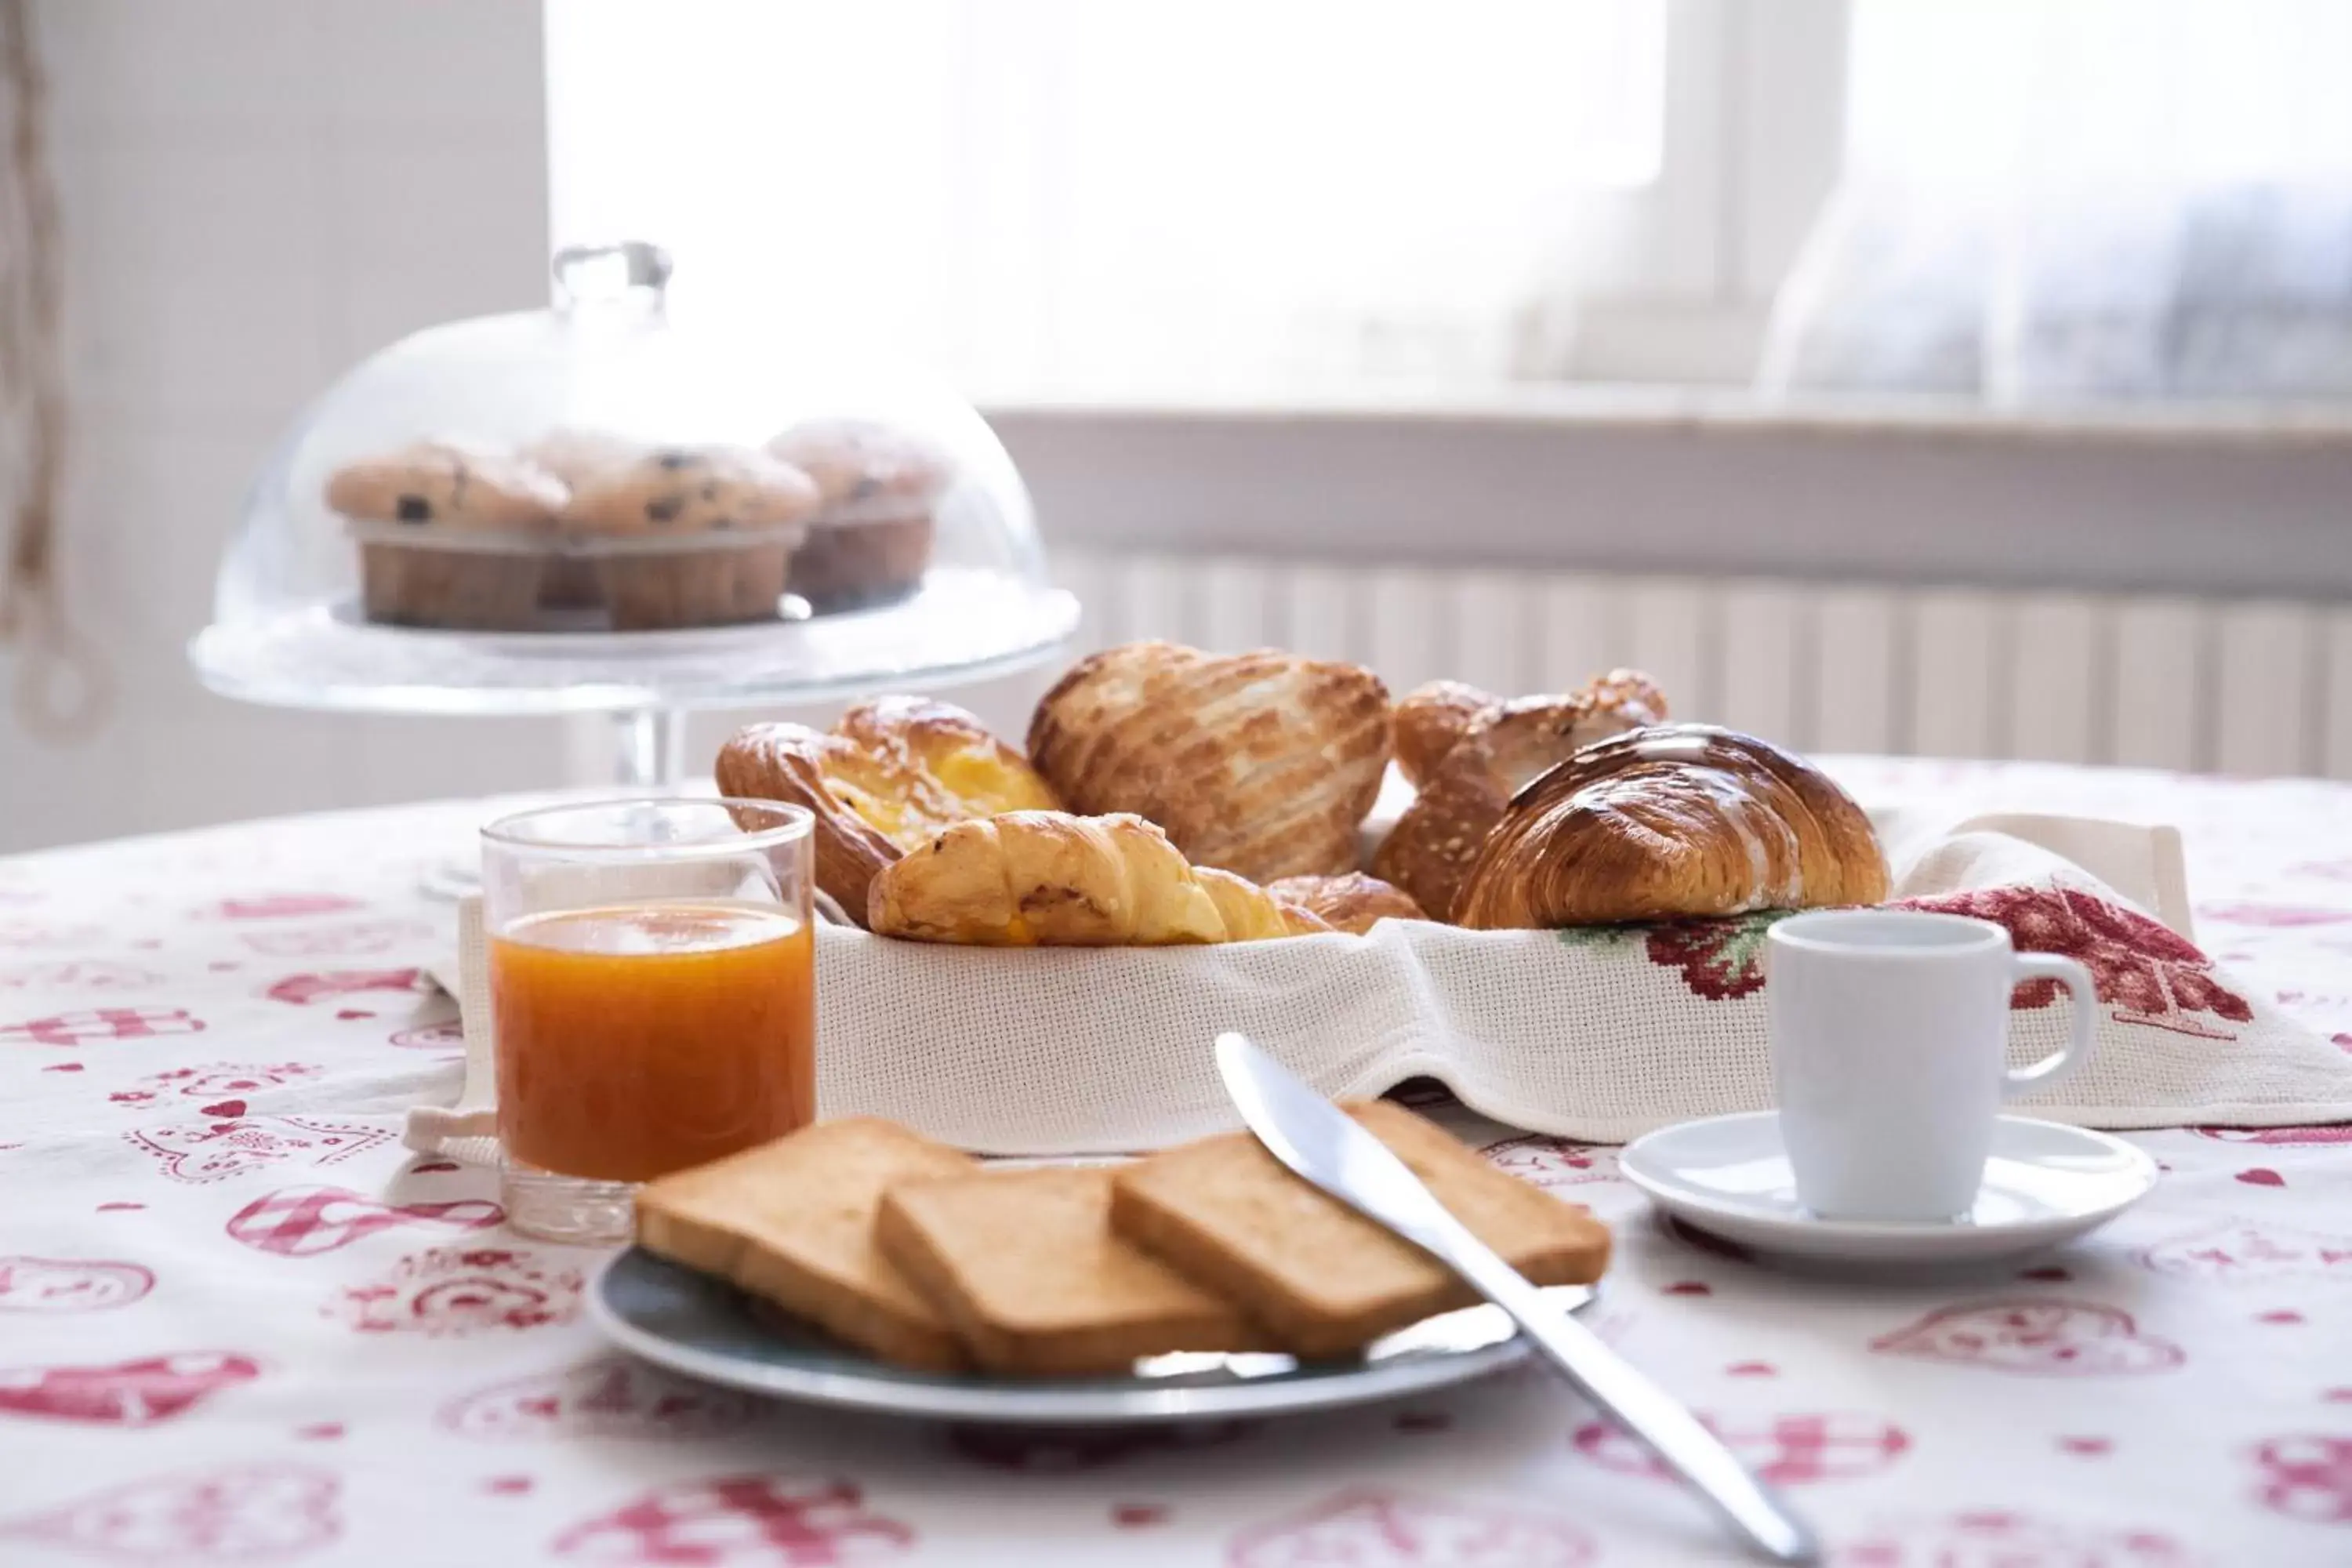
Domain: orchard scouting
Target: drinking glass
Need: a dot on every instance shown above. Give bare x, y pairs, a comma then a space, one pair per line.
653, 980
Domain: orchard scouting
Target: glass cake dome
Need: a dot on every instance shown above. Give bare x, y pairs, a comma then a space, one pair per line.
588, 508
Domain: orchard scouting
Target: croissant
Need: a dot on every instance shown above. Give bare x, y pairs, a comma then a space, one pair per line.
1046, 878
1253, 914
1676, 820
1429, 720
1430, 849
891, 773
1350, 903
1262, 763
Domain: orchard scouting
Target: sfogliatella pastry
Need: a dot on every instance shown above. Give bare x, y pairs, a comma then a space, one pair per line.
1672, 821
693, 536
1261, 763
1495, 753
889, 774
476, 526
1046, 878
1352, 902
871, 538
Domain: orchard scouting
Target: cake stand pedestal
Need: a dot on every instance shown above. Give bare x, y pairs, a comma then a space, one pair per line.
649, 749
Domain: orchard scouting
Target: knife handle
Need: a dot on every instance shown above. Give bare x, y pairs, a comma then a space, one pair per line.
1638, 1406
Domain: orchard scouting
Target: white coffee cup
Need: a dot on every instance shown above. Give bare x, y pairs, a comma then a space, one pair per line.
1890, 1034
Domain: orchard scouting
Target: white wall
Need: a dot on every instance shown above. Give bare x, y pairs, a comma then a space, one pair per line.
256, 193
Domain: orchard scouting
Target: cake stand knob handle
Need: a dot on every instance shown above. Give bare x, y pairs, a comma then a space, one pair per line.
586, 274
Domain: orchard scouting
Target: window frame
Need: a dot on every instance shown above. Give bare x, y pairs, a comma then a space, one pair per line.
1754, 142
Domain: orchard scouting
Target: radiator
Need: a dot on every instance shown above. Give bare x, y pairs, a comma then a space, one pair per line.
2210, 686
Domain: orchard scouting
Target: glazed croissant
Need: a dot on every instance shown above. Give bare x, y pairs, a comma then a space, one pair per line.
1473, 766
1045, 879
1675, 820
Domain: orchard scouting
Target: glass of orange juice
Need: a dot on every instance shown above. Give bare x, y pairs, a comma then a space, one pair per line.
653, 980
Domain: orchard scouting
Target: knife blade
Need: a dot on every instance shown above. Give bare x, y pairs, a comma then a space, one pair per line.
1323, 1145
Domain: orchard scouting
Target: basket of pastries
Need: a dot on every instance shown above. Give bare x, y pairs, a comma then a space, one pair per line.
1558, 913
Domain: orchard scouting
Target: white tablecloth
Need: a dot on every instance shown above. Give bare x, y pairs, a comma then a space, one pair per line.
238, 1323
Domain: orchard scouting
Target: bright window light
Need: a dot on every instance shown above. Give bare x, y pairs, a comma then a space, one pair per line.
2042, 90
1066, 192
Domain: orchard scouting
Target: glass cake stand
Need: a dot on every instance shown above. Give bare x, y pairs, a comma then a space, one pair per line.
589, 508
960, 628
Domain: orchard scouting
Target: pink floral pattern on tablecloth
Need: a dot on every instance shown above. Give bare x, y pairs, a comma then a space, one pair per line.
242, 1324
231, 1513
1783, 1450
453, 1292
2036, 1337
138, 1393
793, 1520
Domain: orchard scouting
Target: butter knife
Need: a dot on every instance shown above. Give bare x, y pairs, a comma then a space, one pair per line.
1323, 1144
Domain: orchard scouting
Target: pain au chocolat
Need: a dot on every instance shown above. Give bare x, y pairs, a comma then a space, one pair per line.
1490, 758
1672, 821
1259, 764
889, 775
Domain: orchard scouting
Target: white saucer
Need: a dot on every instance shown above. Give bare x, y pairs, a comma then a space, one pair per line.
2045, 1183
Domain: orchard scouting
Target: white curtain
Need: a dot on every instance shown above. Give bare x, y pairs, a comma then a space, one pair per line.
2063, 200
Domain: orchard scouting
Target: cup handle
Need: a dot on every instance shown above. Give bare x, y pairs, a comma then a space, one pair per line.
2064, 1064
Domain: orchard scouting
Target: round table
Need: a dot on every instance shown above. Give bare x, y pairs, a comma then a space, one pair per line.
240, 1322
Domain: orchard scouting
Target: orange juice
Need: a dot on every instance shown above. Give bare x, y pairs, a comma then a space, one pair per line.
641, 1039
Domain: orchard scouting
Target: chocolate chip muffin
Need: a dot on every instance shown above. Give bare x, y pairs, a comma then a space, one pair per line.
871, 538
693, 536
482, 522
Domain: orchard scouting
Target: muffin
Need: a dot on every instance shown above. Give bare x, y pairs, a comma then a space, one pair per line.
871, 540
663, 523
577, 456
482, 522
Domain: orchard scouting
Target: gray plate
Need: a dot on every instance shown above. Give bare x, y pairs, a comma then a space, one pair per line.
699, 1326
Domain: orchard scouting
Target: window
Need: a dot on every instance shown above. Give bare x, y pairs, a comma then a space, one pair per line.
1260, 201
2062, 201
1227, 196
2034, 91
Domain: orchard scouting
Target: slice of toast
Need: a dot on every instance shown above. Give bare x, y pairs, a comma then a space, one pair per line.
792, 1221
1025, 1264
1322, 1278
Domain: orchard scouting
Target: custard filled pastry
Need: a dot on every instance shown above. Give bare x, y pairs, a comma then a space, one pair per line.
1492, 756
1350, 903
1045, 879
1261, 763
1673, 821
881, 783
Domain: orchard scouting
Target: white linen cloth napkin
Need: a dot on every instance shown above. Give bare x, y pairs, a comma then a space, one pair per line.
1599, 1034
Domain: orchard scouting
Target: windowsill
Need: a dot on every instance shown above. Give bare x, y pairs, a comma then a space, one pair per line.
1701, 409
2240, 502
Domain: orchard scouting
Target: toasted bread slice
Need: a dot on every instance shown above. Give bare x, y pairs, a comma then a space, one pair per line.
1025, 1264
792, 1221
1323, 1279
